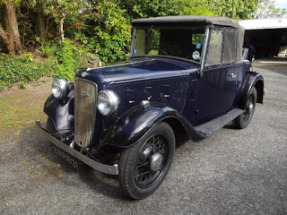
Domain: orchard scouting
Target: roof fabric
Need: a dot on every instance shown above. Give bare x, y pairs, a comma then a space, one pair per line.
187, 20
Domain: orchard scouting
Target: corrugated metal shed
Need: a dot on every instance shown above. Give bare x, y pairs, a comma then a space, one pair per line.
260, 24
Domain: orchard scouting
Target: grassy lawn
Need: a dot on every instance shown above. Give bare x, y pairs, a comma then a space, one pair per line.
20, 109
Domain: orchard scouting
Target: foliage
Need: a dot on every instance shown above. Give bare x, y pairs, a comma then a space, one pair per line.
236, 9
197, 7
23, 69
267, 9
106, 32
60, 10
48, 49
152, 8
68, 56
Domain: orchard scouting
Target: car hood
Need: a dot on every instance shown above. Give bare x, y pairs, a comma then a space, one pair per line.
137, 70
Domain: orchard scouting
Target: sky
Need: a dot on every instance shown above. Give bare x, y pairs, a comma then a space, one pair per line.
281, 3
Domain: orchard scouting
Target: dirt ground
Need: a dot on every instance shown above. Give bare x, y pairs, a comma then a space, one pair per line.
231, 172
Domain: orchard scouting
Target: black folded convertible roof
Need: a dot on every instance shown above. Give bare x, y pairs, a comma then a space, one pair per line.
186, 20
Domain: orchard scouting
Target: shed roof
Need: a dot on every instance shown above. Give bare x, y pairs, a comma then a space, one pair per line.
186, 20
260, 24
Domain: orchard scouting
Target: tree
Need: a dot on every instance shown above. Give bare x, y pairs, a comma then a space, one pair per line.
152, 8
236, 9
106, 30
197, 7
41, 23
60, 9
10, 32
267, 9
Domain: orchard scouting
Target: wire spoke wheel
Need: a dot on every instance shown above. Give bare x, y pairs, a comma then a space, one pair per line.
151, 160
144, 165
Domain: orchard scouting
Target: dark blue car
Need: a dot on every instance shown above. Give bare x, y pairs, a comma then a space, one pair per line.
187, 75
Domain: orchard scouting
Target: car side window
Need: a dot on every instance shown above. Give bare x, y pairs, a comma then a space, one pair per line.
230, 46
215, 47
221, 47
140, 44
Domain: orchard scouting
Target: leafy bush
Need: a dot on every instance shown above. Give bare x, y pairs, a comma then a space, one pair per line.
23, 69
108, 34
49, 49
69, 60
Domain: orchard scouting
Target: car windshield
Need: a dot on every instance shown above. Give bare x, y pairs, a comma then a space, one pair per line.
173, 42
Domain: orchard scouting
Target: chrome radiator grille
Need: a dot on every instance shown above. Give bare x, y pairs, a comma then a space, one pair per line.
85, 111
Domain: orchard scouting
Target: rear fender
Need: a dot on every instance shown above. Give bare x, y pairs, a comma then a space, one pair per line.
253, 79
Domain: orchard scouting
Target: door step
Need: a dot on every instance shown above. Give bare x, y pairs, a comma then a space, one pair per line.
214, 125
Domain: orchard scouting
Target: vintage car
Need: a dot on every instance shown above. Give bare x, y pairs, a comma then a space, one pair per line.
187, 75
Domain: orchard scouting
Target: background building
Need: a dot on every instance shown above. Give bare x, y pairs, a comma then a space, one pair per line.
268, 36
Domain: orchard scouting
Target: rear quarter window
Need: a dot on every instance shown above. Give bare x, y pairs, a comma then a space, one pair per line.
222, 47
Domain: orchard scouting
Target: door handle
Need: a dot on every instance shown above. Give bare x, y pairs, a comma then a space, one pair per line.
232, 75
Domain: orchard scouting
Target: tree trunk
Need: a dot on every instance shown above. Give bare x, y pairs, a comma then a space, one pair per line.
12, 30
61, 29
41, 25
5, 39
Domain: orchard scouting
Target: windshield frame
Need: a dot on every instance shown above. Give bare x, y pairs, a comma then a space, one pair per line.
149, 28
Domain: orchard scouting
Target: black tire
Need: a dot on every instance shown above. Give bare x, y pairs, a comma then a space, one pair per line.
244, 119
144, 165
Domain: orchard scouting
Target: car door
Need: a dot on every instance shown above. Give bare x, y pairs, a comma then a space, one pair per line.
218, 82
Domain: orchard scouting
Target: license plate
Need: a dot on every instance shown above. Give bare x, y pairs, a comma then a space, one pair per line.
72, 161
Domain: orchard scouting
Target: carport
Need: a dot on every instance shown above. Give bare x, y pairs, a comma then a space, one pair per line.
267, 36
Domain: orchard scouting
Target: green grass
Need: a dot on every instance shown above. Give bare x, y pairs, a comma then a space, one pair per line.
21, 108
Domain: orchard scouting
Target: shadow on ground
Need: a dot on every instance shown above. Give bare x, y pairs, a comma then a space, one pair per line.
100, 183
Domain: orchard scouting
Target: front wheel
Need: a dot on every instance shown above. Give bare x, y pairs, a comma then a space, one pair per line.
244, 119
144, 165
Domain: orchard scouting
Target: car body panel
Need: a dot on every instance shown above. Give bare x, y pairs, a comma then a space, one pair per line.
61, 114
256, 80
218, 91
136, 122
137, 71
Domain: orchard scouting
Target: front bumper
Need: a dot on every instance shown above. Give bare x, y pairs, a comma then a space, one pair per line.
111, 170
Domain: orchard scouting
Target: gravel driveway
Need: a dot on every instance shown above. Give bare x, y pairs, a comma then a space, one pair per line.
231, 172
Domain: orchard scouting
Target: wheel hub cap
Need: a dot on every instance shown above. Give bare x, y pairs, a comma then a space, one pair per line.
156, 162
249, 109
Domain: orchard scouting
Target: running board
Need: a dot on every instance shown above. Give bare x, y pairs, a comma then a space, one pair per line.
214, 125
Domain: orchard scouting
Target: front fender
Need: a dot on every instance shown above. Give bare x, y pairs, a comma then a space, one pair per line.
132, 126
61, 114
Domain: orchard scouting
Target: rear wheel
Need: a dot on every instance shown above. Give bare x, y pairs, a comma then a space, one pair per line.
144, 165
244, 119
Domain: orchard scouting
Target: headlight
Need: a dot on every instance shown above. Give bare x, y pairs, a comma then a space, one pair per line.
107, 102
60, 88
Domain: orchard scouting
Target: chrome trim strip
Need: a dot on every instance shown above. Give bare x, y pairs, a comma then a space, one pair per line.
111, 170
205, 46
